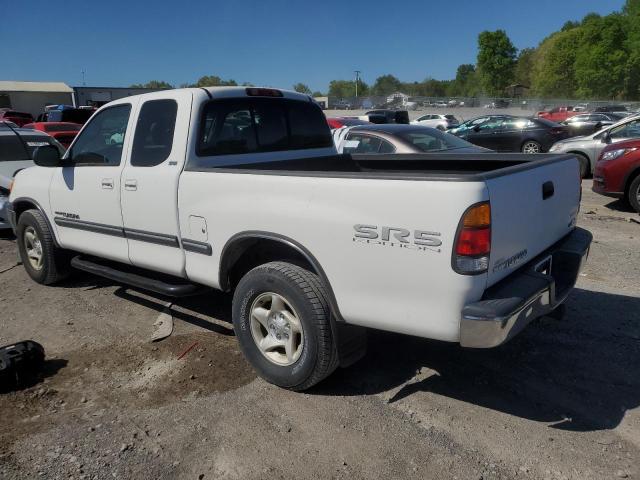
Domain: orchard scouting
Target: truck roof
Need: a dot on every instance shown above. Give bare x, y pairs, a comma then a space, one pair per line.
229, 92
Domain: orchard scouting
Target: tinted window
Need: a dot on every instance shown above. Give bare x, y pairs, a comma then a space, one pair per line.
628, 130
433, 140
153, 138
256, 125
359, 143
101, 141
11, 148
64, 127
34, 141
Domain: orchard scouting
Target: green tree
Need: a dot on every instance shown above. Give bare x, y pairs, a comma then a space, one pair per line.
524, 66
347, 88
553, 73
317, 94
385, 85
214, 81
631, 11
153, 84
302, 88
496, 61
465, 84
601, 59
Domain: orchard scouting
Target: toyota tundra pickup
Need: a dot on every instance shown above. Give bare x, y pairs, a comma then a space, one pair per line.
242, 190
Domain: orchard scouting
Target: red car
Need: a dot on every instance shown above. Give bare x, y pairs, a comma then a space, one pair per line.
617, 172
63, 132
19, 118
339, 122
558, 114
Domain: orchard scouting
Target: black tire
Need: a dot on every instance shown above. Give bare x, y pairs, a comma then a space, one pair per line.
304, 291
633, 194
55, 262
585, 165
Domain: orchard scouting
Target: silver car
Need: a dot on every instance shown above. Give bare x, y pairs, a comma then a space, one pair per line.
589, 147
16, 152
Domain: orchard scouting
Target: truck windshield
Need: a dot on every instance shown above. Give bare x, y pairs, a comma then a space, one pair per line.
255, 125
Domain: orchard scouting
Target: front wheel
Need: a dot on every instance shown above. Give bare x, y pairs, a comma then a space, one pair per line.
282, 320
43, 261
633, 194
531, 146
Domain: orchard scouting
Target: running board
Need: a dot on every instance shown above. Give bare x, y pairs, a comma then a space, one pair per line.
138, 278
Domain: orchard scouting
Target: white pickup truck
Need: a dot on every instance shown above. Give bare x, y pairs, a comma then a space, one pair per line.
241, 189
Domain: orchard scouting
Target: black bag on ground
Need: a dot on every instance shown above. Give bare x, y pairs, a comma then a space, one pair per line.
20, 362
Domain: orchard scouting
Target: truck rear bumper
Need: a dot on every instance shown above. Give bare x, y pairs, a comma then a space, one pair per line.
531, 292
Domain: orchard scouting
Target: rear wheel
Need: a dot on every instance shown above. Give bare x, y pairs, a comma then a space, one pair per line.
531, 146
43, 261
633, 194
282, 320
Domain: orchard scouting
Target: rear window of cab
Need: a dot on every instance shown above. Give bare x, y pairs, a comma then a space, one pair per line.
258, 125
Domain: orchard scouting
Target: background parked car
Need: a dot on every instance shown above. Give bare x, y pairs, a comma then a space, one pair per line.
338, 122
16, 153
611, 108
387, 116
397, 138
63, 132
506, 133
19, 118
66, 113
617, 172
588, 123
588, 148
439, 121
558, 114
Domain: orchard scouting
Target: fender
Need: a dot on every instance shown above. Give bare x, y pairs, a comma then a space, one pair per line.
351, 340
15, 204
232, 243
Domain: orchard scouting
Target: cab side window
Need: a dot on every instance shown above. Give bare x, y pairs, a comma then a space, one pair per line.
153, 138
100, 143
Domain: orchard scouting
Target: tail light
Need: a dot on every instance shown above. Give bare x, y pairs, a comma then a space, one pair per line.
473, 241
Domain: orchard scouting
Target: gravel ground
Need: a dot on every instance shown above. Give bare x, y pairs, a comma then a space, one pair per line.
560, 401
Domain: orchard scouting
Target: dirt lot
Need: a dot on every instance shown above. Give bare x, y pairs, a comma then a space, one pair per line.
561, 401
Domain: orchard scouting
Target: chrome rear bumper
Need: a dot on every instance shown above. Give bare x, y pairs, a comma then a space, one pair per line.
531, 292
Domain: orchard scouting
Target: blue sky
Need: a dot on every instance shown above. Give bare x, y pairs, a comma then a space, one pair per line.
267, 42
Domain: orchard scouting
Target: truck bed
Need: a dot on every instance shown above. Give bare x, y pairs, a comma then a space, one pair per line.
466, 167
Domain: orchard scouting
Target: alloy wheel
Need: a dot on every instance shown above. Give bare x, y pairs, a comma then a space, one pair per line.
276, 329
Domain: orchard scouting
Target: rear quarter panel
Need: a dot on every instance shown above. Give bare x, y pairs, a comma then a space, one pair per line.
376, 284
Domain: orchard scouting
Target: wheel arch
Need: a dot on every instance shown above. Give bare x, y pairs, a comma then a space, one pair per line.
246, 250
631, 176
585, 156
22, 204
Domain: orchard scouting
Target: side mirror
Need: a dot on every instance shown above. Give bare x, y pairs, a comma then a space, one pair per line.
598, 126
476, 128
606, 138
47, 156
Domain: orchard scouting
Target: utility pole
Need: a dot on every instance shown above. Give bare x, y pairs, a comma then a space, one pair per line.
84, 84
357, 72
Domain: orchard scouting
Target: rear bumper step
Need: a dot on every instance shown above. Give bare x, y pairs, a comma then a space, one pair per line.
532, 292
138, 279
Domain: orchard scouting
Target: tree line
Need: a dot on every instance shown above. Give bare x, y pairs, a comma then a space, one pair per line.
596, 58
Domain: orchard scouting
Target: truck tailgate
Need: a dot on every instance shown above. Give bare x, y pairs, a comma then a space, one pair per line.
530, 211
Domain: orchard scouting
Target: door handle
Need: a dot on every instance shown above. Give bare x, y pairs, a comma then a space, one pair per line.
131, 185
107, 183
547, 190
